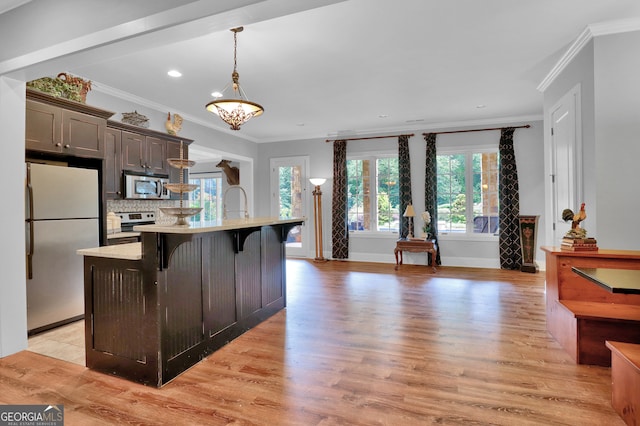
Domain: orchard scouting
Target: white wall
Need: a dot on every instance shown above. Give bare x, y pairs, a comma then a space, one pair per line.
610, 101
13, 295
578, 71
617, 137
479, 252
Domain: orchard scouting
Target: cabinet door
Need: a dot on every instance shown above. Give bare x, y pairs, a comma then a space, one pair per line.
112, 164
82, 135
133, 152
157, 155
42, 132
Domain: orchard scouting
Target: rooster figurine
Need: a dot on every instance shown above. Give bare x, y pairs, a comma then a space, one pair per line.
575, 218
173, 127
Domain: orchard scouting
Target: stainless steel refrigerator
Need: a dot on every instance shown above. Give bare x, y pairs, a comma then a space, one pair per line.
62, 209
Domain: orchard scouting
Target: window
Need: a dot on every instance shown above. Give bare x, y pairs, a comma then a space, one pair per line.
372, 192
290, 203
468, 191
208, 195
290, 191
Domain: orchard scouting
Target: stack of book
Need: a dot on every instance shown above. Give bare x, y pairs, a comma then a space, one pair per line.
578, 244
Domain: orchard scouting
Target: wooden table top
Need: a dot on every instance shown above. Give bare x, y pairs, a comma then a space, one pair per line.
625, 281
414, 242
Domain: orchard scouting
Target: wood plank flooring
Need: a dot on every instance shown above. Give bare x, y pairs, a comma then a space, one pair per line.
358, 344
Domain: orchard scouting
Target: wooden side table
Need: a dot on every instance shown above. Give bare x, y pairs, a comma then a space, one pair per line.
416, 246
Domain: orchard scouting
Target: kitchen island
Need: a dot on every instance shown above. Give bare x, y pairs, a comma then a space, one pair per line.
155, 308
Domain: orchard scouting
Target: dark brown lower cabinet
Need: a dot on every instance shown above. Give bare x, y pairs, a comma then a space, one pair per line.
149, 320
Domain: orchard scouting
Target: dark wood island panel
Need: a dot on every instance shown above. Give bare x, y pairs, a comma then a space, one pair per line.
149, 320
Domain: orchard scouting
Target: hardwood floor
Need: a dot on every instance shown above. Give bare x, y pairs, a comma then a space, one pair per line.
358, 343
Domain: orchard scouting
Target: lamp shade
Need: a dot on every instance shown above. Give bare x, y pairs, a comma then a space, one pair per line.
409, 212
235, 112
317, 181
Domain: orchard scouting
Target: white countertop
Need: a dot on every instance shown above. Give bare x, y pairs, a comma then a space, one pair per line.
131, 251
123, 235
220, 225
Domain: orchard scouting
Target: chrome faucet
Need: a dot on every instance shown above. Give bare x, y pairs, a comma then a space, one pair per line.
224, 202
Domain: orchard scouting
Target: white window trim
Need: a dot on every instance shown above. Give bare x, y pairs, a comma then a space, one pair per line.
374, 234
204, 175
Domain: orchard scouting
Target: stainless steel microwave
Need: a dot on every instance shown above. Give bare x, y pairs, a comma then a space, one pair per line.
146, 187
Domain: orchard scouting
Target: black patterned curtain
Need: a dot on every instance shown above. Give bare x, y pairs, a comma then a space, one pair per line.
431, 189
339, 207
404, 172
510, 254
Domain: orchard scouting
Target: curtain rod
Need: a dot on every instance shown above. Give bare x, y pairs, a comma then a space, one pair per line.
526, 126
370, 137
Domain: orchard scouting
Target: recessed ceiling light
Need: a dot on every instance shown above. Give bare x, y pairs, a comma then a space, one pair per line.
416, 120
216, 94
174, 73
383, 116
481, 106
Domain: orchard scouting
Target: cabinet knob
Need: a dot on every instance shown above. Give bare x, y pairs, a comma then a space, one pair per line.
67, 146
58, 144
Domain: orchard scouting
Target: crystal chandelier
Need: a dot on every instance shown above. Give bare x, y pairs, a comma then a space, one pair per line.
237, 110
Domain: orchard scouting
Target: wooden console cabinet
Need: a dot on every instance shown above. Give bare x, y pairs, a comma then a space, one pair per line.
581, 315
625, 381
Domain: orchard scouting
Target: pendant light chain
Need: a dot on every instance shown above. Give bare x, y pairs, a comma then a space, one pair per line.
235, 50
235, 77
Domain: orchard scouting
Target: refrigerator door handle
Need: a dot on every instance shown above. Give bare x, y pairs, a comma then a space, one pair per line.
30, 222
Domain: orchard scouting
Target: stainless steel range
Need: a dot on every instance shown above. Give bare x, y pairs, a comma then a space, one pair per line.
127, 221
130, 219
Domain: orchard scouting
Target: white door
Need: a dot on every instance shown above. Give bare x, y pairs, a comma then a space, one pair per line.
289, 199
566, 161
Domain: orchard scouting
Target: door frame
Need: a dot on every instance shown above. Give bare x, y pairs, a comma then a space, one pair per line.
302, 161
572, 100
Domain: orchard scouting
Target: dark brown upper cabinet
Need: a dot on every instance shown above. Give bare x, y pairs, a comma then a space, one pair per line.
141, 150
62, 127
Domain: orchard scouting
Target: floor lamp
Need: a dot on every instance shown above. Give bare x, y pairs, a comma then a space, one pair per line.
317, 216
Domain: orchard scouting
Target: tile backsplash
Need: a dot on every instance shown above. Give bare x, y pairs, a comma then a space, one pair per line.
145, 206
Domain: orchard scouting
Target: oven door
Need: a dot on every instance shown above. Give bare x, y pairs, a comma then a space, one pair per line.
149, 187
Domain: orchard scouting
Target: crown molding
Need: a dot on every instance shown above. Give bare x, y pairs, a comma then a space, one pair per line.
103, 88
120, 94
441, 126
591, 31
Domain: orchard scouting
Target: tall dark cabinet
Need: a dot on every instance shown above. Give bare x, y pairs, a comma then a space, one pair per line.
112, 164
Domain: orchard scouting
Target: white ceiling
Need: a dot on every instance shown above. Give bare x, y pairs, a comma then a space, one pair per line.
360, 67
7, 5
